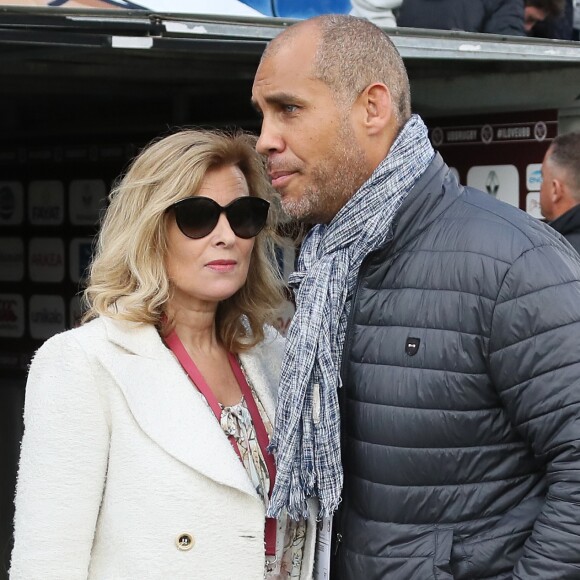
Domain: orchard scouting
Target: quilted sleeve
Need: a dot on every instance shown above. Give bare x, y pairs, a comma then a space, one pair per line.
535, 364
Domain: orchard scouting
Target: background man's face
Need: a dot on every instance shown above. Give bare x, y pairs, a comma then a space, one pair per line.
546, 205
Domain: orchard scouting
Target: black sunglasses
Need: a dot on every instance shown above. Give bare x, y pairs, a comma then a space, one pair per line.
197, 216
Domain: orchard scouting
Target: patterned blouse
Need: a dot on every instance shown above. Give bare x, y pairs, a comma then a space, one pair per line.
290, 535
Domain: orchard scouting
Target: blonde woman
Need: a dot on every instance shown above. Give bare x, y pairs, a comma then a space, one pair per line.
144, 453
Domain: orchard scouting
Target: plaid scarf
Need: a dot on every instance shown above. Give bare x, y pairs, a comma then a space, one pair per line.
306, 438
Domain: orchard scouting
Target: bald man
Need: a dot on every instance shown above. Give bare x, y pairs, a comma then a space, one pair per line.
560, 192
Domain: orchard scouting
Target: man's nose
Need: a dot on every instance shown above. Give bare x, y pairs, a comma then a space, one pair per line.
270, 139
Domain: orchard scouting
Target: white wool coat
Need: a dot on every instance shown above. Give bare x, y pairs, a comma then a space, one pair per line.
121, 457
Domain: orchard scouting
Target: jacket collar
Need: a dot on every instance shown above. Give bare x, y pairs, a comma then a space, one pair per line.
568, 222
169, 409
433, 193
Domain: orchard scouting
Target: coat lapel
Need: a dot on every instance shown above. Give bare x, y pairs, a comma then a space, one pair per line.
169, 409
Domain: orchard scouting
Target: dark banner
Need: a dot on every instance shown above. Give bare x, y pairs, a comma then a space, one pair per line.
500, 154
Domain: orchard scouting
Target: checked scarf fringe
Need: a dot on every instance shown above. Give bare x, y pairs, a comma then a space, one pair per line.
306, 439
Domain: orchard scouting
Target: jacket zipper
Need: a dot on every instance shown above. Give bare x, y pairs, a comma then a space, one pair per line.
342, 391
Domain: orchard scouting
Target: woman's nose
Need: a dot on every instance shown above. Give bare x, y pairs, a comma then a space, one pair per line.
223, 233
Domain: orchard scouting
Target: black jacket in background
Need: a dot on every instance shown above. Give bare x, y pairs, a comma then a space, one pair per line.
491, 16
568, 224
560, 28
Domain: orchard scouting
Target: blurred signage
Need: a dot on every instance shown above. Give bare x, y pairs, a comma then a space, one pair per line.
533, 185
87, 197
11, 315
46, 316
46, 259
11, 203
11, 259
46, 203
500, 154
500, 181
534, 176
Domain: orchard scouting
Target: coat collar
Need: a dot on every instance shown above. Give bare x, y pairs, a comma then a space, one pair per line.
169, 409
568, 222
433, 193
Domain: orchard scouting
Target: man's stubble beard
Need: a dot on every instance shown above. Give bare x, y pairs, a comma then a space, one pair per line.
333, 182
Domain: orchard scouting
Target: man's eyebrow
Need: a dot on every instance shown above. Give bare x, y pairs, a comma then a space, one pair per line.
277, 99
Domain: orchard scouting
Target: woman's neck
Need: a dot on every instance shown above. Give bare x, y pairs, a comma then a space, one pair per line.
196, 329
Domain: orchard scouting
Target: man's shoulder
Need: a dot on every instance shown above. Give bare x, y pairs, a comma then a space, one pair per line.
487, 218
568, 222
573, 239
443, 215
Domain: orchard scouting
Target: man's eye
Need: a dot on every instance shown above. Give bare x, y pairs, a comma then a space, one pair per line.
289, 108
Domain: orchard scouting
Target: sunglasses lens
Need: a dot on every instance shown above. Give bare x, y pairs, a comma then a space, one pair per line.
247, 216
196, 217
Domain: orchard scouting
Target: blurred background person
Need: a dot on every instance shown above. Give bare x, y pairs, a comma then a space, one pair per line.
549, 19
144, 450
557, 27
560, 191
508, 17
490, 16
378, 11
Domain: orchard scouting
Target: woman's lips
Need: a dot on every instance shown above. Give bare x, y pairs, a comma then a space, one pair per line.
222, 265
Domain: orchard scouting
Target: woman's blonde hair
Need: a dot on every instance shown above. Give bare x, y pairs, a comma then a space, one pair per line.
128, 279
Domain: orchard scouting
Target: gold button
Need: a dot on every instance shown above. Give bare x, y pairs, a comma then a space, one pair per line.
185, 542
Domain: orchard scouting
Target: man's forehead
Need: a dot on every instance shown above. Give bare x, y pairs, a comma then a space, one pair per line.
285, 69
297, 33
300, 41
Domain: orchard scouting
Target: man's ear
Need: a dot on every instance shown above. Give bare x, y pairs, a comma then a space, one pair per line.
377, 108
557, 191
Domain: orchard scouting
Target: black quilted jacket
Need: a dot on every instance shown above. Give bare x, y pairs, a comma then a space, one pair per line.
568, 224
491, 16
461, 397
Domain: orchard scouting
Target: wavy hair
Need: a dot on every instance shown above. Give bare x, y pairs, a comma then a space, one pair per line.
127, 277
